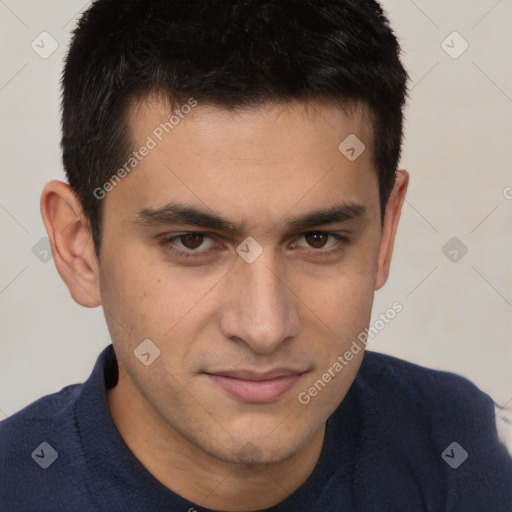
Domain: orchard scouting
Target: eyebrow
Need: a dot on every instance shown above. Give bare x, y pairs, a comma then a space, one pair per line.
180, 214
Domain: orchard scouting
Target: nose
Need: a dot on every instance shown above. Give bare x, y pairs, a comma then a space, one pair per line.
261, 310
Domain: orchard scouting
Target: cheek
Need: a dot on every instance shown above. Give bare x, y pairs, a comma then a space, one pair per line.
128, 296
343, 299
143, 298
132, 285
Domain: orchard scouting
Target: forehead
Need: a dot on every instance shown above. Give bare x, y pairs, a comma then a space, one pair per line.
263, 161
211, 125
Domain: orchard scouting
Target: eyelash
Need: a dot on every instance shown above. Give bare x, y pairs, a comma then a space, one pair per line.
166, 243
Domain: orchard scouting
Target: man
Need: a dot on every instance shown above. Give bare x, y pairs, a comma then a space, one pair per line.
232, 205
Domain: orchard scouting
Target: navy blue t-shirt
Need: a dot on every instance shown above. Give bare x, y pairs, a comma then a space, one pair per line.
404, 439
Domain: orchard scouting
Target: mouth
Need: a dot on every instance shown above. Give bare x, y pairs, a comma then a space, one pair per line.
256, 387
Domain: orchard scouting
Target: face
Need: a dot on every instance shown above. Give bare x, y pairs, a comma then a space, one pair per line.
245, 246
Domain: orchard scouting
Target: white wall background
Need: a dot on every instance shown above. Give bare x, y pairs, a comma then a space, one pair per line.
458, 149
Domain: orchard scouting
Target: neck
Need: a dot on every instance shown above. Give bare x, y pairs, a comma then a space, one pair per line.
187, 470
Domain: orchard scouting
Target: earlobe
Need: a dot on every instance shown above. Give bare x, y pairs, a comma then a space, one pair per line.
71, 242
390, 226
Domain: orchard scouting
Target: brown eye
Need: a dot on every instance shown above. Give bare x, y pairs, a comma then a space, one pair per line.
191, 240
188, 244
316, 240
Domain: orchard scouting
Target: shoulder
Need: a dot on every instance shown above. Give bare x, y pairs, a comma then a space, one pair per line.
437, 429
51, 409
38, 446
440, 406
423, 388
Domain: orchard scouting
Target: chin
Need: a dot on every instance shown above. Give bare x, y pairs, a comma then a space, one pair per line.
256, 455
254, 450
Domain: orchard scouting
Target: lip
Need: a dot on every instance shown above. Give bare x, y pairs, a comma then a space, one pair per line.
256, 387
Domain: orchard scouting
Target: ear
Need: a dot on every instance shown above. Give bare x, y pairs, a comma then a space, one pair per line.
390, 225
71, 242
